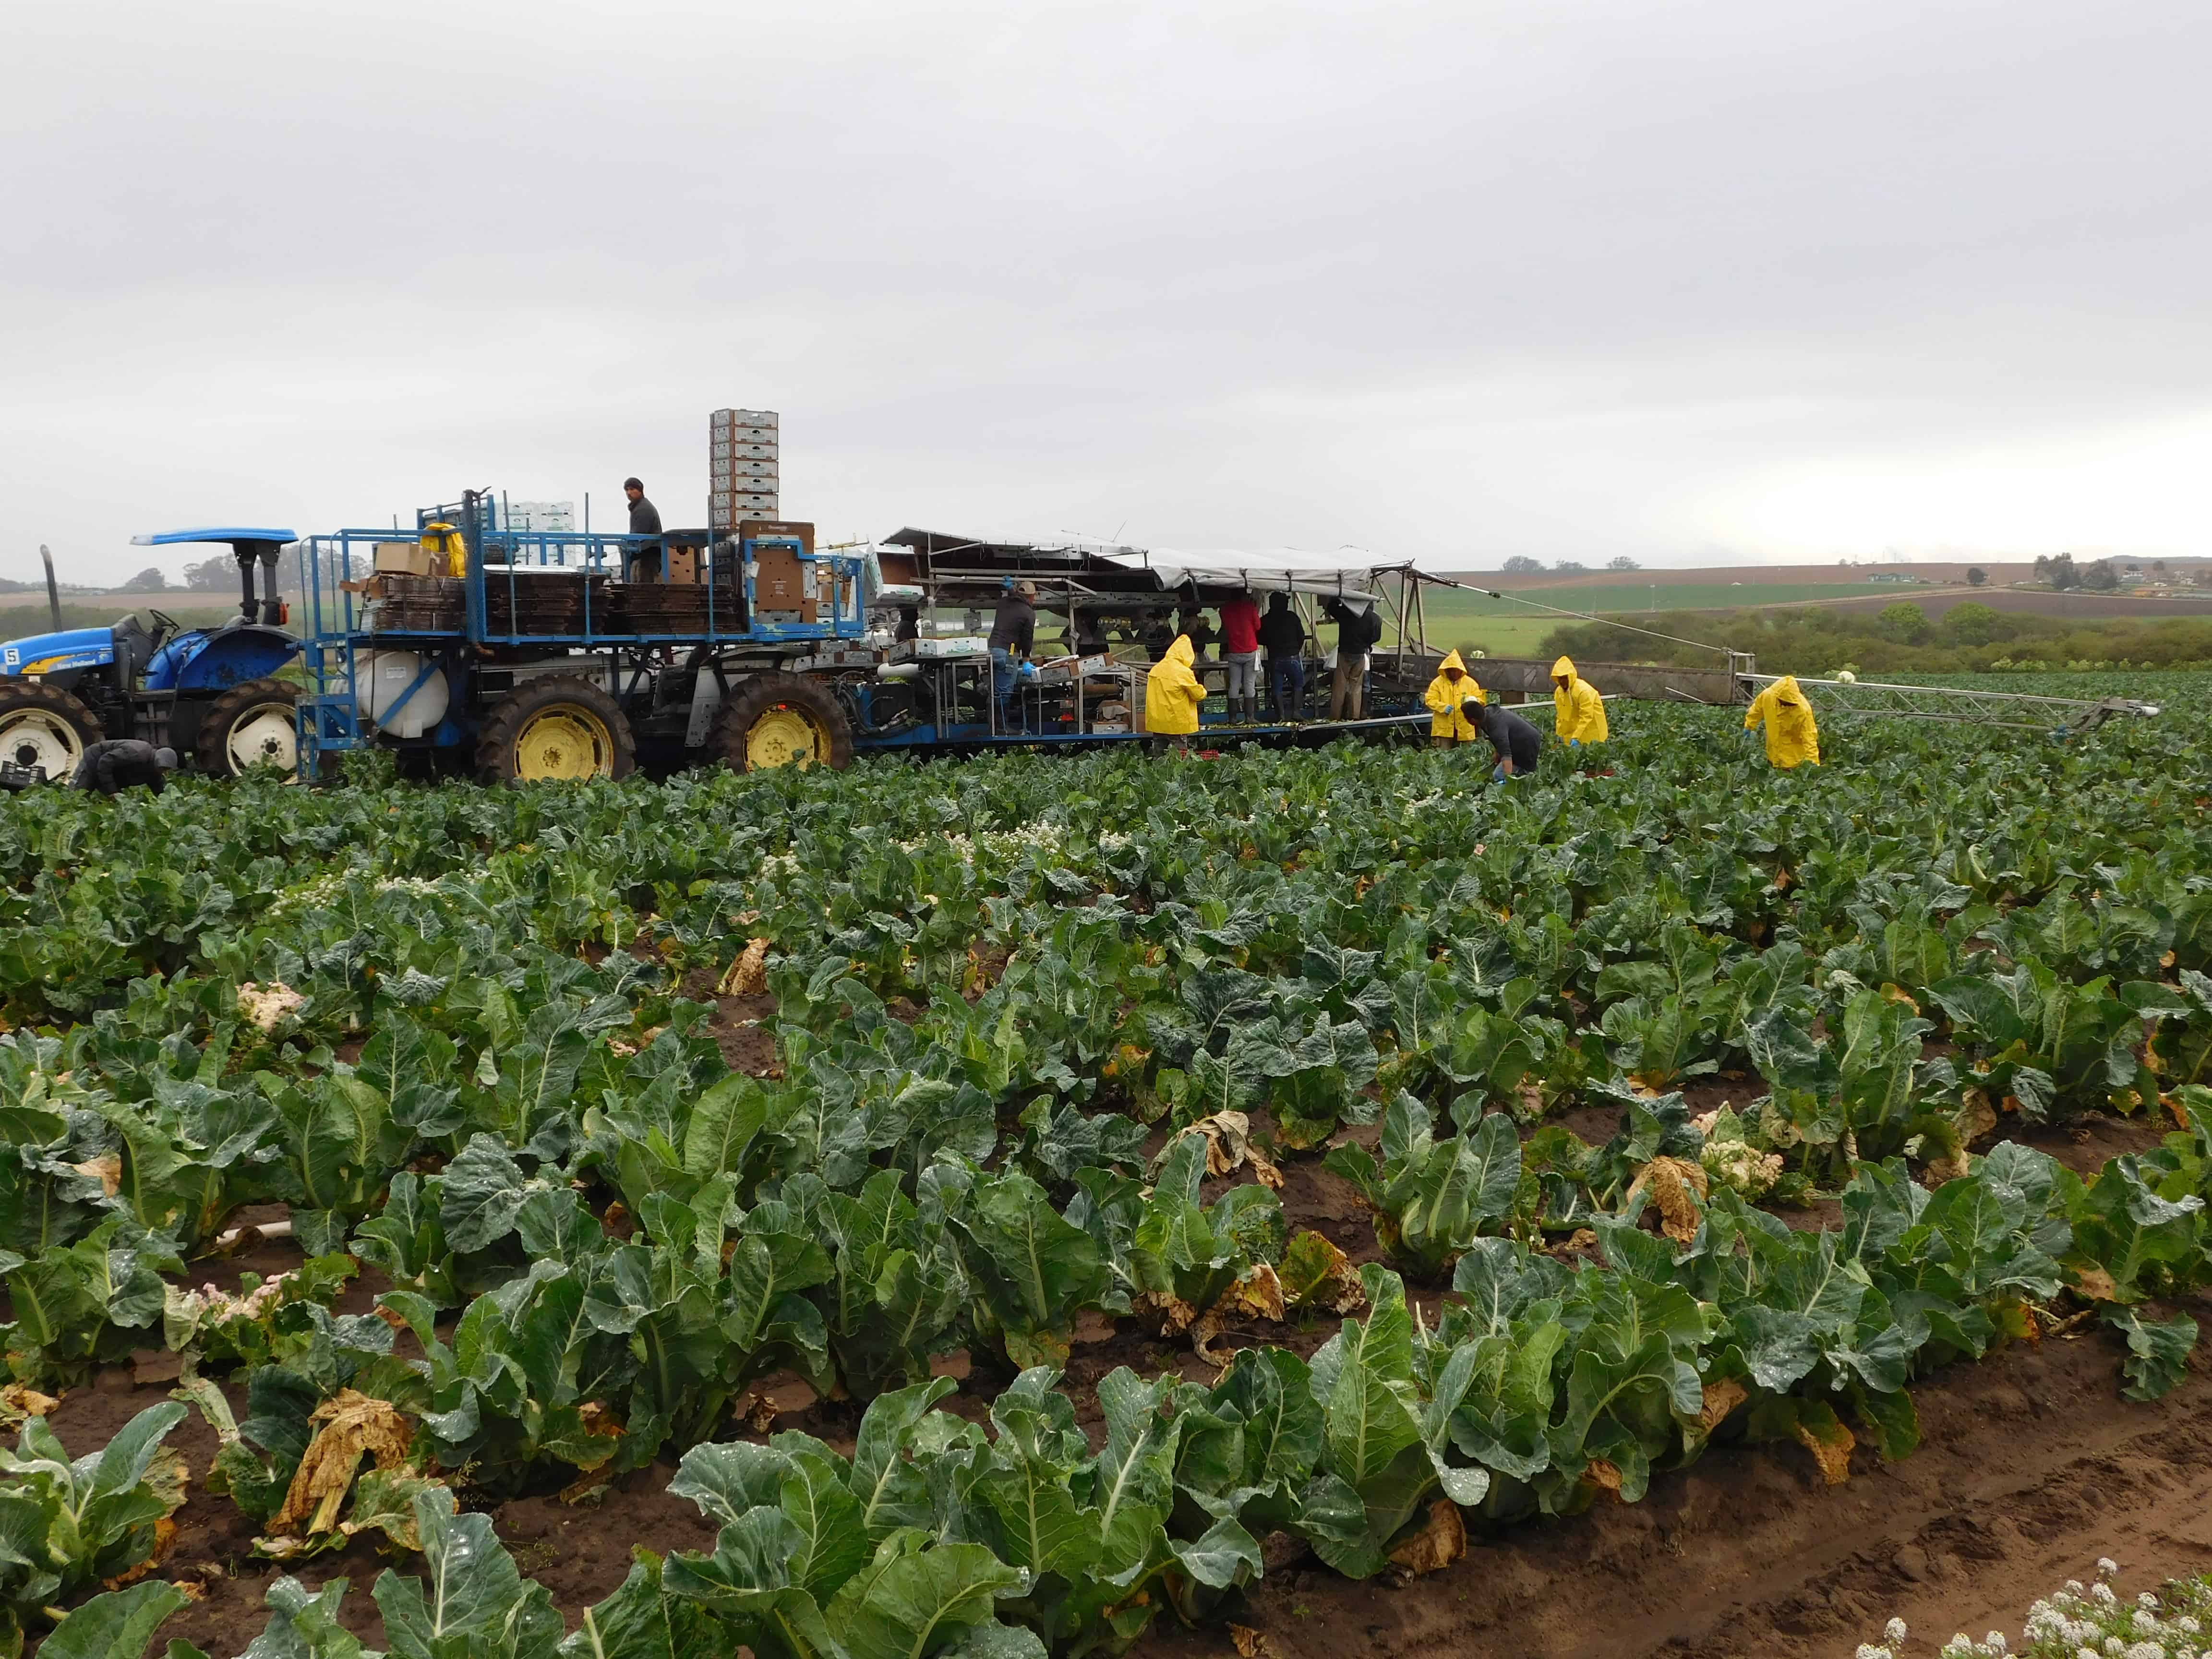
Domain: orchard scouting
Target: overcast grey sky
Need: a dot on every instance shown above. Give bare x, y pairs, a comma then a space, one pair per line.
1736, 279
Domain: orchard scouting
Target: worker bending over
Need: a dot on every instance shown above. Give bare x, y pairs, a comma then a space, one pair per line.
1172, 694
1580, 709
114, 764
1447, 697
1792, 738
1515, 743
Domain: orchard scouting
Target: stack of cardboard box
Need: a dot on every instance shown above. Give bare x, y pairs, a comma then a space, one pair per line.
743, 463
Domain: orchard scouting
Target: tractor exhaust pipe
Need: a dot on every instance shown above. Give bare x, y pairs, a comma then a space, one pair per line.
53, 593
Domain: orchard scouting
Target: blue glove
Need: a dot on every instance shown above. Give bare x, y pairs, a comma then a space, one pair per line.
1498, 773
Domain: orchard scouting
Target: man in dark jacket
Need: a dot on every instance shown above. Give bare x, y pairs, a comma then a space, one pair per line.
644, 520
114, 764
1358, 629
1013, 637
1518, 744
1283, 637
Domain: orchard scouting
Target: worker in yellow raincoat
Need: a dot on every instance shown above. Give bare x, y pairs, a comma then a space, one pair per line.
1580, 709
1447, 697
1792, 738
1172, 692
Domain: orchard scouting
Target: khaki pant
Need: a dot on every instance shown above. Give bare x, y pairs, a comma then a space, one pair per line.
1347, 687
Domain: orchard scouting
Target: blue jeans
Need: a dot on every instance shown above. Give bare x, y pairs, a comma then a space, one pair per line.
1002, 680
1286, 679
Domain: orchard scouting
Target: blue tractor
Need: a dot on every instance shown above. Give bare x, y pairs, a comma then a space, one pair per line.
209, 693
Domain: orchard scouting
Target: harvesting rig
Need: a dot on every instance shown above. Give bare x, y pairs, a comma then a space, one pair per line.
520, 653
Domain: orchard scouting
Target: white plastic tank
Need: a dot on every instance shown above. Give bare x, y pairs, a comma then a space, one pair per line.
385, 677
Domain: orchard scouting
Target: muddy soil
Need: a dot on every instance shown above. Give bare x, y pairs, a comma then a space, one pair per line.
2031, 1467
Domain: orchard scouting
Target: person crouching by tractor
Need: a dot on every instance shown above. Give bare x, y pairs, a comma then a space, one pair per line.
1447, 698
1581, 720
1793, 738
114, 764
1173, 694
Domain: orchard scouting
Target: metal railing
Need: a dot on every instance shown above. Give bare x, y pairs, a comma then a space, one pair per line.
2024, 711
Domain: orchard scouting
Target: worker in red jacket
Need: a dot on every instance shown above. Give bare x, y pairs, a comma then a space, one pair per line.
1240, 650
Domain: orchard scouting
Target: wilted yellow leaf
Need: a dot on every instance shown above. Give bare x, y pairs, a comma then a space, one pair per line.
1678, 1186
748, 974
1437, 1544
1831, 1444
1720, 1398
350, 1426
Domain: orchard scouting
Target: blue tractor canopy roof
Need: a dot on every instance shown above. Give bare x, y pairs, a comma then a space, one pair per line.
233, 535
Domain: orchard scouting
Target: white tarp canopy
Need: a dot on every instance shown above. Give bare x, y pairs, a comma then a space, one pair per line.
1273, 570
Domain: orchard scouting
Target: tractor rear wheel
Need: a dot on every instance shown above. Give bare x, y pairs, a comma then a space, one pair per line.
253, 724
44, 727
782, 720
560, 727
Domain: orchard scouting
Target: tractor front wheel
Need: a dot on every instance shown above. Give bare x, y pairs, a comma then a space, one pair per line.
254, 724
559, 726
44, 726
782, 720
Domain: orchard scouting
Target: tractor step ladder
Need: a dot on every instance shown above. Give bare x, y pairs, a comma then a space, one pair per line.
2022, 710
327, 725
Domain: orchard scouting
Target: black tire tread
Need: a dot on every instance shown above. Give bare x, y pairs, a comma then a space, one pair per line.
495, 738
35, 693
213, 747
755, 697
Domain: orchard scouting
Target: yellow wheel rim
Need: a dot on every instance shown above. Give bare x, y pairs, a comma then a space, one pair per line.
782, 736
563, 741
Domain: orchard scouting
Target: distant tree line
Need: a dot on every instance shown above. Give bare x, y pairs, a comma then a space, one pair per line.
1521, 565
1900, 638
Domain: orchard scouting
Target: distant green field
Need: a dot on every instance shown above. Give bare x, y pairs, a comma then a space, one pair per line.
1613, 598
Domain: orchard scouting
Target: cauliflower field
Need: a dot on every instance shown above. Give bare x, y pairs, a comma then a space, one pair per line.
1044, 1205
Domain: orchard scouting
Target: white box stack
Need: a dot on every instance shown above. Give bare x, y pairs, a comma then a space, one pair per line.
744, 462
546, 516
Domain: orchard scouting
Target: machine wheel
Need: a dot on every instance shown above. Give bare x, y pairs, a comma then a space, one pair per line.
559, 726
782, 720
251, 725
42, 726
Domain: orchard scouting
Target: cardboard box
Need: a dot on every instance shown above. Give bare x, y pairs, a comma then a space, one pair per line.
407, 559
728, 418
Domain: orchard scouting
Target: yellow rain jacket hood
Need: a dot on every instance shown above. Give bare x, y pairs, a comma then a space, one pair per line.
1444, 697
1172, 693
1580, 709
1792, 738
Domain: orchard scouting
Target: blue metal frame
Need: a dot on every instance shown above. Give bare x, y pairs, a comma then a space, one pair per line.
336, 634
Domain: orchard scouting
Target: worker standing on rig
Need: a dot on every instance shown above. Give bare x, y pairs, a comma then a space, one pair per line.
1240, 650
644, 520
1447, 698
1580, 709
1173, 694
1358, 629
1013, 638
1792, 736
1285, 636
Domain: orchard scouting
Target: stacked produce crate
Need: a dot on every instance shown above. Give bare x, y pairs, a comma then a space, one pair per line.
742, 448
